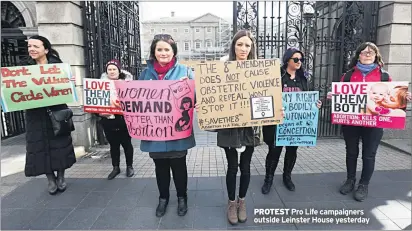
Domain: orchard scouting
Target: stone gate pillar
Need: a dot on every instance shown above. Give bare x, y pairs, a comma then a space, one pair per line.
394, 42
61, 23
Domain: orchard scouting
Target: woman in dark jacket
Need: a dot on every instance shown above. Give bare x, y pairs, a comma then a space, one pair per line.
234, 140
46, 153
365, 66
293, 80
115, 127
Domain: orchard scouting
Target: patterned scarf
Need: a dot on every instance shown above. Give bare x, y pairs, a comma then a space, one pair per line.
162, 70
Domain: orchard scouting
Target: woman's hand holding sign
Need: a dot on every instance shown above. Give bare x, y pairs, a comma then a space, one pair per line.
329, 95
319, 104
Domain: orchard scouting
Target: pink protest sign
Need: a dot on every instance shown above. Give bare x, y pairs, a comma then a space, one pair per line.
370, 104
158, 110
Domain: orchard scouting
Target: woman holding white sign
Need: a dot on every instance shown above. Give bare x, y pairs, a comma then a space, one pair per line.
47, 152
114, 126
168, 155
234, 140
293, 80
367, 66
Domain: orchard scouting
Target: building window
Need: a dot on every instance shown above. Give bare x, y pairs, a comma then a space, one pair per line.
209, 30
187, 46
175, 30
163, 30
197, 45
187, 31
197, 30
208, 44
152, 31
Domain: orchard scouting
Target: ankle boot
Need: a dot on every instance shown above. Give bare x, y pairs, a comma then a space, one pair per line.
361, 192
61, 182
161, 207
129, 171
181, 206
287, 181
241, 210
52, 186
114, 173
347, 187
232, 212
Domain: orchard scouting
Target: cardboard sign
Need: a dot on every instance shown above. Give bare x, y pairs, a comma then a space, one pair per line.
27, 87
100, 96
158, 110
238, 94
300, 127
370, 104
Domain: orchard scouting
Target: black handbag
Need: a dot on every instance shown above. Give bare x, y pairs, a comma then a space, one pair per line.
62, 122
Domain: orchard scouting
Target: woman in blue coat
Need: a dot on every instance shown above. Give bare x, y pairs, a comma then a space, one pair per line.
167, 155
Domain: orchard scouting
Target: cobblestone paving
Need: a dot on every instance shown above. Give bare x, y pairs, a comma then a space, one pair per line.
208, 160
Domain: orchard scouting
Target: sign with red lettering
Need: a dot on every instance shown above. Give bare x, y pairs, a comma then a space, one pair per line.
27, 87
370, 104
100, 96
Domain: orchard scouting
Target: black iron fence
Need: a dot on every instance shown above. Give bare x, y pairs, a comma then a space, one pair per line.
111, 31
327, 32
13, 49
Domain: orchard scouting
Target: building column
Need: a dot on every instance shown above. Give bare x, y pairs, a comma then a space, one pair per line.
394, 42
62, 24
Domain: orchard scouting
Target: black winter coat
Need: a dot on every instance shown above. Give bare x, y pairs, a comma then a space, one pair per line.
269, 132
45, 152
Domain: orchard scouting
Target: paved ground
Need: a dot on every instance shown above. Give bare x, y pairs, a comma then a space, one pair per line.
92, 202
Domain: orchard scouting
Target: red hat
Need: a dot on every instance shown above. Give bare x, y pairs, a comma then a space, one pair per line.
114, 62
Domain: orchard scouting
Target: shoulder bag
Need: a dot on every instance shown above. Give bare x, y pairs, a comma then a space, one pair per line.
62, 122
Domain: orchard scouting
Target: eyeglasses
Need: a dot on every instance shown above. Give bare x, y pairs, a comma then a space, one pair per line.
296, 60
163, 36
368, 53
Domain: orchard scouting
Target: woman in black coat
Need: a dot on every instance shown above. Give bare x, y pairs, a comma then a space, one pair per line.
45, 152
293, 80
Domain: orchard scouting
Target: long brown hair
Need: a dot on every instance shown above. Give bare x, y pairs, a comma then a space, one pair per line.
372, 46
238, 35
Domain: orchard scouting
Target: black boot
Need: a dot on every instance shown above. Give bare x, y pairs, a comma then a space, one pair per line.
181, 206
114, 173
161, 207
287, 181
347, 187
290, 160
52, 187
361, 192
61, 182
129, 171
270, 171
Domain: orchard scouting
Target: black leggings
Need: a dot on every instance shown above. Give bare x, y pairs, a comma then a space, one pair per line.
115, 139
272, 159
232, 167
371, 138
179, 170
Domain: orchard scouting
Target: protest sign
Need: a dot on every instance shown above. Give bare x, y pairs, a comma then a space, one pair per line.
300, 127
34, 86
157, 111
238, 93
100, 96
370, 104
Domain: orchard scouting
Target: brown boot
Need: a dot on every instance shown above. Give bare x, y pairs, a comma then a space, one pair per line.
241, 210
232, 212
